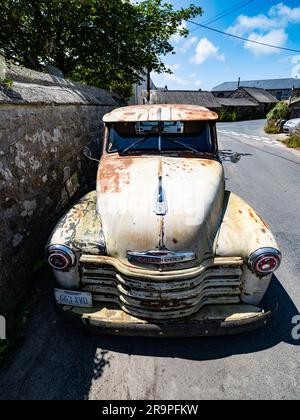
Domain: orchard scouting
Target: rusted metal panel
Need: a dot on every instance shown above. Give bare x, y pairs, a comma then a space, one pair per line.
80, 229
209, 321
127, 190
127, 269
242, 231
162, 298
142, 113
161, 239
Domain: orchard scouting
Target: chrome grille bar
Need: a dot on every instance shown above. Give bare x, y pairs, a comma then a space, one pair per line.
159, 298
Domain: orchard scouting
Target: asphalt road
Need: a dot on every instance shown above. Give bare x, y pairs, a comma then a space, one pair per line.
59, 362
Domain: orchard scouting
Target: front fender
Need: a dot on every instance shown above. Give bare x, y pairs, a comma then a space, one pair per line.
80, 230
242, 232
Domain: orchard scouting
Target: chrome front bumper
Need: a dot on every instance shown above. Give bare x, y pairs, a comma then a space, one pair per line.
210, 321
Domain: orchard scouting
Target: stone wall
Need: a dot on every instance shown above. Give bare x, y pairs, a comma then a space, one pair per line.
294, 109
45, 123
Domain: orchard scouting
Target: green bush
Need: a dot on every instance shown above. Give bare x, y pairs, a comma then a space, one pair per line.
228, 116
233, 116
279, 112
293, 142
272, 129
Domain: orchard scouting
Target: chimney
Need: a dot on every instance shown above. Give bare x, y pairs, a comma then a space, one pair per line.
239, 82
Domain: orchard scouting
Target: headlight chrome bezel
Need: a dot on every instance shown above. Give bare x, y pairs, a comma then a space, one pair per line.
63, 252
264, 257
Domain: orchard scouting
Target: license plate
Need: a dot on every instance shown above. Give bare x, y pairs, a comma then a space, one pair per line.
65, 297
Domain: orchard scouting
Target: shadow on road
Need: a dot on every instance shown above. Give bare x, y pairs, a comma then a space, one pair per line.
226, 155
58, 361
279, 330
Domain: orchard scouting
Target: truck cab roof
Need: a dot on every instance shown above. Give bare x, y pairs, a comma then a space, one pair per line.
142, 113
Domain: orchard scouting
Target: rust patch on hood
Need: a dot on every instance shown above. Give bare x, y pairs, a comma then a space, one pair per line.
207, 162
113, 174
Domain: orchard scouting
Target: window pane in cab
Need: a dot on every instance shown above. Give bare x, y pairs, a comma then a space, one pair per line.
195, 136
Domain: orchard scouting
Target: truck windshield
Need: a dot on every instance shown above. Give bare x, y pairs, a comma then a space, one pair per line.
194, 136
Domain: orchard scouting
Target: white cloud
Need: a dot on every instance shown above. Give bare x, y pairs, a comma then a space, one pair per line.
189, 43
206, 50
176, 79
268, 28
286, 13
198, 83
296, 66
164, 79
274, 37
245, 24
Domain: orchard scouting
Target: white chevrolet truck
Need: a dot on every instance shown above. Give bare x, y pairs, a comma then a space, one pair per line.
161, 248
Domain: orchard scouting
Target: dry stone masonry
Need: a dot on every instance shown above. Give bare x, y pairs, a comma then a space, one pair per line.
45, 122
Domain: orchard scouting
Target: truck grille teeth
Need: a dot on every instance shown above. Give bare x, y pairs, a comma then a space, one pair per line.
161, 299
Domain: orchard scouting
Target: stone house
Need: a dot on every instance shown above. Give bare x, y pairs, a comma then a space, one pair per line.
188, 97
238, 108
280, 88
295, 108
264, 100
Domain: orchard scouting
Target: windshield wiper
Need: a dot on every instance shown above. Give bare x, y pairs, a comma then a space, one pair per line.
140, 141
181, 144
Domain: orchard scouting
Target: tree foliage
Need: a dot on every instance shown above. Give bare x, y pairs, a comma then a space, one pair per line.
108, 43
279, 112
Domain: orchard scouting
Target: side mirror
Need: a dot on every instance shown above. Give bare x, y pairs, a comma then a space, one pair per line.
235, 158
88, 154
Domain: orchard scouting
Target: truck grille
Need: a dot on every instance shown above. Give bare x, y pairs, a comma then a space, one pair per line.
162, 299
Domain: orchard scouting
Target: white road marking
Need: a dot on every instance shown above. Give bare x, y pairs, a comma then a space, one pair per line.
266, 140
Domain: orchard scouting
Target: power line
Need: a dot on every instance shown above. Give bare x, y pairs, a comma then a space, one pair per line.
242, 38
228, 11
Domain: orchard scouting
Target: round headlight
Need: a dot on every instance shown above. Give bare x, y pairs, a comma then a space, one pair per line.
60, 257
264, 261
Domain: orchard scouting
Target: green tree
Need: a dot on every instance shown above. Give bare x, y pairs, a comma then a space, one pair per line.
279, 112
108, 43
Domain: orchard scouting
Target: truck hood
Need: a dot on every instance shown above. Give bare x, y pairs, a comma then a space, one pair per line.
148, 203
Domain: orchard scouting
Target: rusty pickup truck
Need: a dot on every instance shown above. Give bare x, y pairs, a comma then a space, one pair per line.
161, 248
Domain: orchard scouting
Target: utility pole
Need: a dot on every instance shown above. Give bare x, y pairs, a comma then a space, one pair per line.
148, 85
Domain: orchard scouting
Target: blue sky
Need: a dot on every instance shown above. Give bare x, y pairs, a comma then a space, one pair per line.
206, 59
